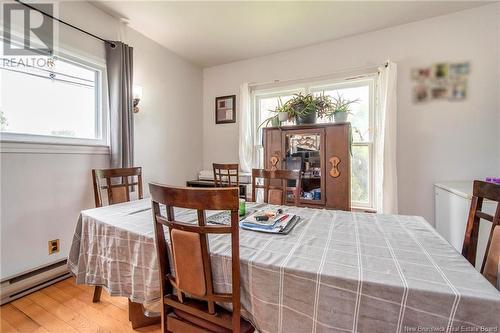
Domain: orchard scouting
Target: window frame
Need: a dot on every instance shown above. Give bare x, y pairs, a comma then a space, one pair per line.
100, 111
331, 84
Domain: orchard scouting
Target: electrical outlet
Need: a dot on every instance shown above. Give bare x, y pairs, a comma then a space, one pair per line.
53, 246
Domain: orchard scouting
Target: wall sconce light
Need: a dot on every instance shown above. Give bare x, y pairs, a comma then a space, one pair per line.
136, 95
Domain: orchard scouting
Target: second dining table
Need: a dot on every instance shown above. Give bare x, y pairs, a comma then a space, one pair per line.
335, 271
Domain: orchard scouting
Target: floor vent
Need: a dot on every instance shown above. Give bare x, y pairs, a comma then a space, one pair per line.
31, 281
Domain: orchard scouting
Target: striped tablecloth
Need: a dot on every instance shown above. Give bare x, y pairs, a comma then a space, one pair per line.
335, 272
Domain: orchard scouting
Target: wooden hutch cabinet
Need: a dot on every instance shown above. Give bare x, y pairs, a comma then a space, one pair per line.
322, 153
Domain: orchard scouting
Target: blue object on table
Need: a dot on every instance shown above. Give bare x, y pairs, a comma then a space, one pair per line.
258, 226
284, 230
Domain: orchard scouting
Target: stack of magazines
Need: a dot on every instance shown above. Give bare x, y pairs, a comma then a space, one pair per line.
277, 223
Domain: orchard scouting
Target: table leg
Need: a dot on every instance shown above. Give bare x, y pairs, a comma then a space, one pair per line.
139, 317
97, 294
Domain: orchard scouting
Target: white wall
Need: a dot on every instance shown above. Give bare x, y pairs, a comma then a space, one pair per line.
436, 141
41, 196
168, 128
43, 190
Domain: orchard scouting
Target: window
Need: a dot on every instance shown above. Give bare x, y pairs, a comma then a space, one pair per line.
55, 100
267, 103
361, 119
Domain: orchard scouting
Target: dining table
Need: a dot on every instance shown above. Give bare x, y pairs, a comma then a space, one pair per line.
335, 271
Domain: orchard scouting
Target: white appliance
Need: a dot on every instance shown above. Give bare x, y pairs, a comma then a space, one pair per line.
452, 204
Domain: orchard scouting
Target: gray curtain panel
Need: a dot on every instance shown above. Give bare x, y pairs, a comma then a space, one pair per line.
119, 63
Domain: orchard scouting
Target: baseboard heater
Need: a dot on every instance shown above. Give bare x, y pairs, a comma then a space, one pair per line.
28, 282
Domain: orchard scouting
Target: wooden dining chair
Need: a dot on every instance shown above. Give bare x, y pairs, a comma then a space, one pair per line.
118, 183
491, 266
226, 175
481, 190
193, 308
276, 194
117, 191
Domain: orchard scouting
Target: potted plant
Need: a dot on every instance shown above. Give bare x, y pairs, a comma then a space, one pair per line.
340, 109
280, 116
282, 112
273, 120
301, 109
307, 108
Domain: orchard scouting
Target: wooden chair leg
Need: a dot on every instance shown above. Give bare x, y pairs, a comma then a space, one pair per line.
97, 294
138, 317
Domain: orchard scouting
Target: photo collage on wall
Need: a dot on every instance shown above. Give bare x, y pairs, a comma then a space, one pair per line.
441, 81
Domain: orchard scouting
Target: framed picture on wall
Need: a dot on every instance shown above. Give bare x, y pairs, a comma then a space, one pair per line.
225, 109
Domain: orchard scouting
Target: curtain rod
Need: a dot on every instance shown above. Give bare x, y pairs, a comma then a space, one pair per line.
318, 78
66, 23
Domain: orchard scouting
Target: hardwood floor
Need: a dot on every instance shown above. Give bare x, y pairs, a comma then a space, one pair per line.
67, 307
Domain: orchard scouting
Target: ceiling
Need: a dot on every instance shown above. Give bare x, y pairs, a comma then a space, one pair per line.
212, 33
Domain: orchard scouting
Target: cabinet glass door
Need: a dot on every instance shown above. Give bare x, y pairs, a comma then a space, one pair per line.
303, 152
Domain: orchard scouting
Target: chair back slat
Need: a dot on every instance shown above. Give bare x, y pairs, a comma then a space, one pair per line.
481, 190
226, 175
208, 229
127, 192
190, 247
275, 194
120, 195
186, 247
207, 265
118, 184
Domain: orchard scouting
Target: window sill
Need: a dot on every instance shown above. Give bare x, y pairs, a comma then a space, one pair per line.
363, 209
17, 147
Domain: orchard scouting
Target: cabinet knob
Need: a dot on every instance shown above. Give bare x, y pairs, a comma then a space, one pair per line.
334, 171
274, 160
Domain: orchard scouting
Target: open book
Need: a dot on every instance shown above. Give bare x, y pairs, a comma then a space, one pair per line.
276, 224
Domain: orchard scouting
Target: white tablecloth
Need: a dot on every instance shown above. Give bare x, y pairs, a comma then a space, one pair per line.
335, 272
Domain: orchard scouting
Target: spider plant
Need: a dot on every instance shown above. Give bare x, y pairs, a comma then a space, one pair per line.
303, 108
306, 108
275, 119
340, 107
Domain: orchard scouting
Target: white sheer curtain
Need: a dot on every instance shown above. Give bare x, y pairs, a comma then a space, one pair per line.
249, 153
385, 145
246, 139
